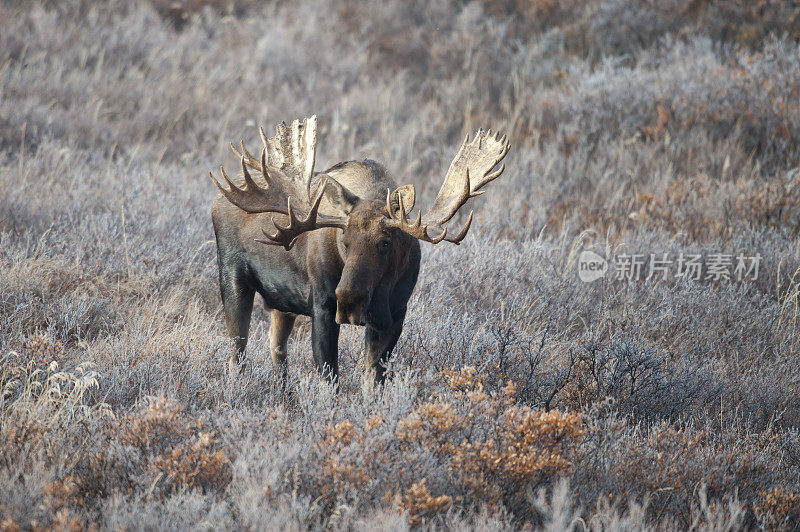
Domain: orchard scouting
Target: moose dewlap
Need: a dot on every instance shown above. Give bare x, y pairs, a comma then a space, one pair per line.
337, 245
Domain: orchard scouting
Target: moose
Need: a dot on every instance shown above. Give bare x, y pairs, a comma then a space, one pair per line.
337, 246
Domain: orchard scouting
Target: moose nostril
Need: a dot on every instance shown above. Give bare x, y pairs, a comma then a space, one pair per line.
349, 297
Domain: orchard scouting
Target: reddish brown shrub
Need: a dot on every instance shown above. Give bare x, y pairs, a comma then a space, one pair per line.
196, 463
496, 448
421, 505
778, 509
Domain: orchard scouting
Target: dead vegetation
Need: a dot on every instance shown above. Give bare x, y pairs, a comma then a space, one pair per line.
519, 394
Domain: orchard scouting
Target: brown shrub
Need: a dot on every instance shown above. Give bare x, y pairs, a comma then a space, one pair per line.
670, 464
158, 427
494, 447
528, 16
17, 434
44, 349
196, 463
777, 509
775, 203
7, 522
348, 459
62, 493
421, 505
165, 447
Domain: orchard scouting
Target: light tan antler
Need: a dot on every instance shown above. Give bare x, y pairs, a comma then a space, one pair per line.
287, 165
291, 150
469, 172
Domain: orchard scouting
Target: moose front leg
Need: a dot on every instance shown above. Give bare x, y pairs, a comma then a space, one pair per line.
325, 339
378, 349
237, 303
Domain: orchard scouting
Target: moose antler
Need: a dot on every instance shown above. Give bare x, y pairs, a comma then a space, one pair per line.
291, 150
287, 165
476, 158
285, 235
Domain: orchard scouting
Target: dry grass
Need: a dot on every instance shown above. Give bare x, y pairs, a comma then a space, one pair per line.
520, 395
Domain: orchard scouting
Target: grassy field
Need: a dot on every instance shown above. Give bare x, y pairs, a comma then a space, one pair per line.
521, 395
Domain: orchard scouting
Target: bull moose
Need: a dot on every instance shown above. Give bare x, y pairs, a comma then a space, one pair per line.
349, 252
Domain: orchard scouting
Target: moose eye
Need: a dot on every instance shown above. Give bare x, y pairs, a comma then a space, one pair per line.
383, 246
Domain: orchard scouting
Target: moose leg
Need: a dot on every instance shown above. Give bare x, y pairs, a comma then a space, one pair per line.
237, 302
325, 339
280, 327
378, 349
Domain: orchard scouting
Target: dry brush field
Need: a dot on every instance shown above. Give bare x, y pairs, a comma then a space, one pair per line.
521, 395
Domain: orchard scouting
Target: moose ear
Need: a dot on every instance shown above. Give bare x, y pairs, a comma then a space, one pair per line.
409, 196
341, 199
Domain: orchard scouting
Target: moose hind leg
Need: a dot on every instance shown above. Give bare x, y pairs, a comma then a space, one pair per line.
280, 327
237, 302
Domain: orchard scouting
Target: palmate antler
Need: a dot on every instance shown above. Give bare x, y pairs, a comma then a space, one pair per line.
287, 166
292, 151
469, 172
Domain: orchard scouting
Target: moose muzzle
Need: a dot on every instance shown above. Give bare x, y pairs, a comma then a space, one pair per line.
350, 306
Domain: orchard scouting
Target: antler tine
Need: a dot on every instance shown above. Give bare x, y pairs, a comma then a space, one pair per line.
420, 231
286, 235
489, 177
231, 186
283, 234
272, 240
464, 230
249, 184
263, 136
404, 216
389, 205
486, 180
251, 158
264, 170
251, 161
250, 197
415, 229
